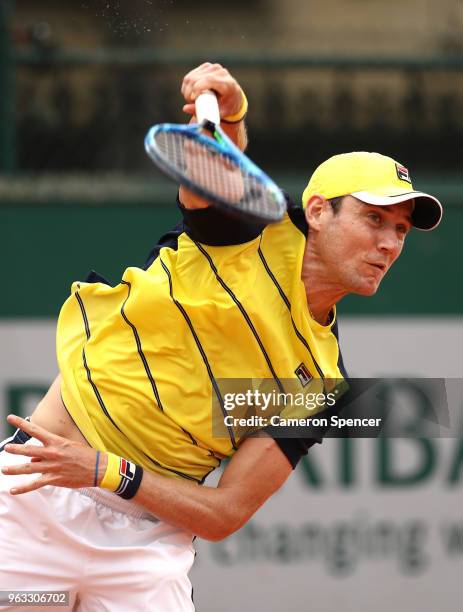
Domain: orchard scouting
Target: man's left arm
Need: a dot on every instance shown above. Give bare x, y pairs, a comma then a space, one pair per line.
255, 472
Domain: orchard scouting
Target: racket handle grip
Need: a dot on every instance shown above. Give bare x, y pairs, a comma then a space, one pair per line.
207, 107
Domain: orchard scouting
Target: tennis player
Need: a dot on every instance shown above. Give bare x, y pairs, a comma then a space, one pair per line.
120, 443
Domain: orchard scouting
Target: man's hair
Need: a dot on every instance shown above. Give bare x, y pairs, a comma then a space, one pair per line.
336, 204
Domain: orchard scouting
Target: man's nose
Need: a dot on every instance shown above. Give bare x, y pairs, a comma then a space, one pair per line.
389, 241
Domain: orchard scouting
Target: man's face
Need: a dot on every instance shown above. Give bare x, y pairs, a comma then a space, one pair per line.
360, 242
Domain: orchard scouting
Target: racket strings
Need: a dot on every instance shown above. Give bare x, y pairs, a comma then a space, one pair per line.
214, 172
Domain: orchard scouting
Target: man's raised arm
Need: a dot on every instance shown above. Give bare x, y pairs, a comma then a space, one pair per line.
232, 106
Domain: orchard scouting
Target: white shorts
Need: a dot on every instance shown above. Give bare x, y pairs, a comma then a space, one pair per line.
107, 552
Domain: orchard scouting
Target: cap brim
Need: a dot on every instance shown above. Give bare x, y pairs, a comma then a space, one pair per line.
426, 215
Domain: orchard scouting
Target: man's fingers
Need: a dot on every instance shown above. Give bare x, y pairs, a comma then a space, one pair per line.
32, 486
29, 450
210, 76
31, 467
189, 109
192, 75
35, 431
204, 84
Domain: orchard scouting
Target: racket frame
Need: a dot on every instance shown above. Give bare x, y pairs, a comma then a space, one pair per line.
223, 145
207, 112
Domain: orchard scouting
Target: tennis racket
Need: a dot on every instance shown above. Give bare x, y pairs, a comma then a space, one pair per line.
203, 159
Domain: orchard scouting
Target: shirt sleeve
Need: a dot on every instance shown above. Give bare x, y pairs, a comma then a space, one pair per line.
294, 448
210, 226
169, 239
213, 227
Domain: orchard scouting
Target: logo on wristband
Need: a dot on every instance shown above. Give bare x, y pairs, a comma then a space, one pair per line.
127, 469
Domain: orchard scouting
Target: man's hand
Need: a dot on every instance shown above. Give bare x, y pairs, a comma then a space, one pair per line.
216, 78
230, 98
61, 462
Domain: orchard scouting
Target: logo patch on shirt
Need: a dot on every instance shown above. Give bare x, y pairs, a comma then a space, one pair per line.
127, 469
403, 174
303, 374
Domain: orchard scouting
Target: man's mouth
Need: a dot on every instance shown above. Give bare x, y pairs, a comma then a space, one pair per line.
379, 266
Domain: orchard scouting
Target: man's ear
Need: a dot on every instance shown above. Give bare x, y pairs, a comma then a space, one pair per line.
315, 209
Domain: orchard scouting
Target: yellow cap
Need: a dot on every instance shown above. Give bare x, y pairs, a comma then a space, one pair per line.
373, 179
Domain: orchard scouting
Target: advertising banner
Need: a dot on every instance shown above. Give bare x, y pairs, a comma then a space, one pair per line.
362, 523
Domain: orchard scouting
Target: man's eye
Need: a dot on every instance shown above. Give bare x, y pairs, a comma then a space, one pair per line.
374, 217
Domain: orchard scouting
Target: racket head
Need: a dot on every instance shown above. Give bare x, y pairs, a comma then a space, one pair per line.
215, 169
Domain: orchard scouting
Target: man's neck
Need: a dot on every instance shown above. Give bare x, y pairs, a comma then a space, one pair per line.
321, 289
